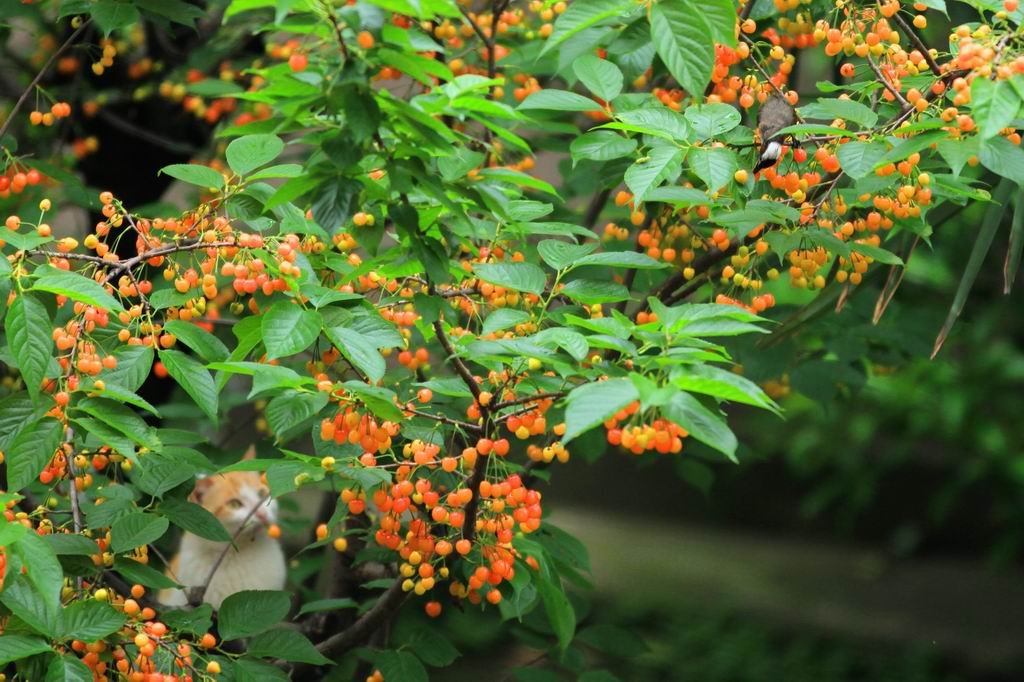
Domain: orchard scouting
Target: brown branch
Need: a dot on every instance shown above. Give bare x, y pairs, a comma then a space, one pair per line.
747, 9
337, 31
197, 594
443, 419
460, 366
888, 86
529, 399
39, 76
387, 605
918, 43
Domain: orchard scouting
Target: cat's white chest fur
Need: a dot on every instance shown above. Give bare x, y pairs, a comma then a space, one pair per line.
255, 563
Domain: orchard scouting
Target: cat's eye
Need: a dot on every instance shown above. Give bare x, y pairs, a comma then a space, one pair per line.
235, 504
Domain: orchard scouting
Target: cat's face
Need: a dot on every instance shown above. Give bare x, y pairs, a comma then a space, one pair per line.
237, 498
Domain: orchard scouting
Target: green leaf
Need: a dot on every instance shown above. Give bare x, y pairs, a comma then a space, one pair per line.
91, 620
10, 532
43, 569
601, 145
29, 335
198, 621
205, 344
994, 105
417, 66
249, 152
601, 77
135, 530
518, 276
1004, 158
684, 42
193, 518
560, 255
714, 165
327, 605
591, 404
558, 609
720, 383
847, 109
663, 162
14, 647
133, 366
989, 225
583, 14
288, 412
720, 16
431, 647
195, 174
559, 100
287, 645
288, 329
76, 287
502, 318
121, 418
134, 572
399, 665
878, 254
111, 15
31, 450
858, 159
712, 120
194, 379
620, 259
250, 612
702, 424
249, 669
591, 291
69, 544
359, 350
25, 601
68, 668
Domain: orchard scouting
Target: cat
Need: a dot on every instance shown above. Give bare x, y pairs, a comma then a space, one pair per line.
255, 562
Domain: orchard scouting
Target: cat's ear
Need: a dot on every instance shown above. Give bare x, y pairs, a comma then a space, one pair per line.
250, 453
202, 486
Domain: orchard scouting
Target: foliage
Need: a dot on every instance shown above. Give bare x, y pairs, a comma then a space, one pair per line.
362, 252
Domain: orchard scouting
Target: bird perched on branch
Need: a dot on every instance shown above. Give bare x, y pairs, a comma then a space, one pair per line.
775, 114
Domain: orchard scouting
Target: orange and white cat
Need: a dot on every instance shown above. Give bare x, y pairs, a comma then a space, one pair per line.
255, 562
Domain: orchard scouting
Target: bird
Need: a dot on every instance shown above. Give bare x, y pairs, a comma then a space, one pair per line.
776, 113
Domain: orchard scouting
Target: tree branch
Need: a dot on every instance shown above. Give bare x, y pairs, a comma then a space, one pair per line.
39, 76
387, 605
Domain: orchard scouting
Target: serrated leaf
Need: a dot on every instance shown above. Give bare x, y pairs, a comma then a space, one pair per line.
288, 329
74, 286
193, 518
285, 644
27, 323
583, 14
684, 42
247, 153
68, 668
662, 163
194, 379
558, 609
111, 15
526, 277
858, 159
620, 259
591, 291
91, 620
136, 530
250, 612
714, 165
600, 76
31, 450
205, 344
14, 647
359, 350
195, 174
601, 145
591, 404
701, 423
560, 255
558, 100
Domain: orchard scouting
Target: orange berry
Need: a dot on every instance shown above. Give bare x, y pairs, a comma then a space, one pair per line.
365, 40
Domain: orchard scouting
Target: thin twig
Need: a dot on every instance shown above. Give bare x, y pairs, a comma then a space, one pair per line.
39, 76
443, 419
196, 600
888, 86
918, 43
388, 603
